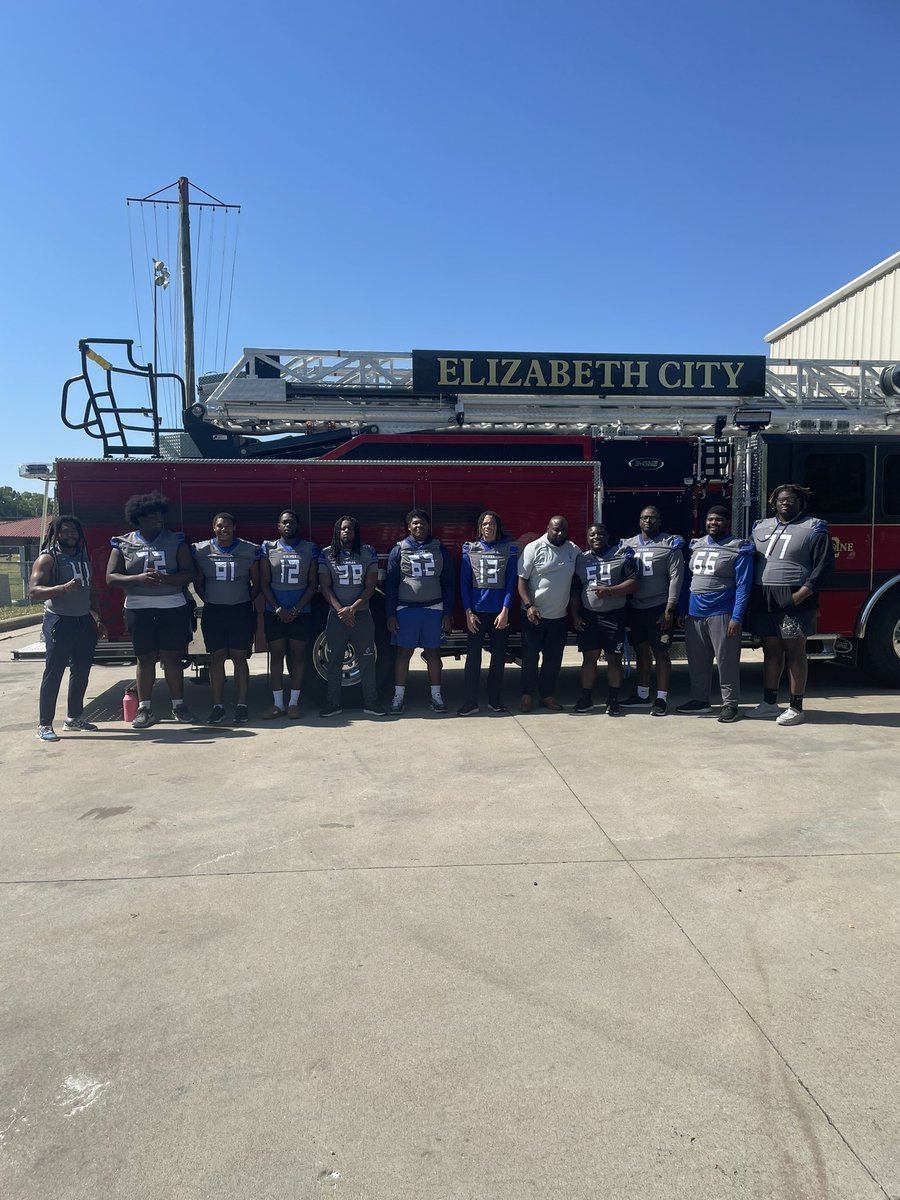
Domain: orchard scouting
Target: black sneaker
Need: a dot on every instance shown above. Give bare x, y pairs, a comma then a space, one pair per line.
728, 713
659, 708
182, 714
468, 710
241, 714
143, 719
396, 707
694, 708
331, 710
497, 706
636, 701
79, 726
375, 710
216, 715
614, 708
438, 706
584, 704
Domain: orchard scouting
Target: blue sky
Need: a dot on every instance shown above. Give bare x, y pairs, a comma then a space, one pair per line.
661, 177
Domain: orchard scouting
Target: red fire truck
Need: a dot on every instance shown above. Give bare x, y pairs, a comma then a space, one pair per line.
375, 434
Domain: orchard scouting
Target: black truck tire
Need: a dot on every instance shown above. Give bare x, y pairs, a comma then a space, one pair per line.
880, 648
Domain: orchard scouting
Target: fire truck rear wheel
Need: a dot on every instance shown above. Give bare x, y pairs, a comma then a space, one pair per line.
316, 674
881, 645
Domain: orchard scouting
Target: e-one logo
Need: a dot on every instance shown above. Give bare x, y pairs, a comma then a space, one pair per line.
645, 464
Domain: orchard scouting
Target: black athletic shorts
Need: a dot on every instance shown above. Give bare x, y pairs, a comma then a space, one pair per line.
228, 626
276, 630
155, 629
602, 631
643, 625
772, 613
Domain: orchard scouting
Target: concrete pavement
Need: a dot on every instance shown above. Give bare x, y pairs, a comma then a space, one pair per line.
500, 957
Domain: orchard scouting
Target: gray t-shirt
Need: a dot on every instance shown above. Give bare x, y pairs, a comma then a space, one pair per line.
548, 571
70, 604
226, 572
660, 563
348, 573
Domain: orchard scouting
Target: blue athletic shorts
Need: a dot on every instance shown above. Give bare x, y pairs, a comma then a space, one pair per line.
419, 627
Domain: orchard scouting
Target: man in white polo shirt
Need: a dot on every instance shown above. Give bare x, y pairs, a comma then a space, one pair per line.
545, 583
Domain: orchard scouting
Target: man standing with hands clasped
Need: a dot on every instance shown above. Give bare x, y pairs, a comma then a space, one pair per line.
545, 584
348, 575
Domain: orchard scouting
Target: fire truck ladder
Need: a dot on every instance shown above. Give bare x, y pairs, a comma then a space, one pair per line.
282, 391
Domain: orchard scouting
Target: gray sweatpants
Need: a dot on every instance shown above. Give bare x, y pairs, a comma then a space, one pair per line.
362, 637
705, 639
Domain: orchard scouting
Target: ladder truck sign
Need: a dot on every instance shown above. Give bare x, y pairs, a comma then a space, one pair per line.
588, 374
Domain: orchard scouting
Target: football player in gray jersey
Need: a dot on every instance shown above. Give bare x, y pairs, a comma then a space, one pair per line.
227, 578
652, 607
61, 580
604, 578
794, 557
153, 566
348, 574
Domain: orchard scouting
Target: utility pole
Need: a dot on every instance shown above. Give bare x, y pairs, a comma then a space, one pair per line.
161, 273
184, 226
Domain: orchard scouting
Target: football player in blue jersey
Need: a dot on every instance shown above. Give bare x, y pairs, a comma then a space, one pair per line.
487, 584
289, 579
721, 570
419, 589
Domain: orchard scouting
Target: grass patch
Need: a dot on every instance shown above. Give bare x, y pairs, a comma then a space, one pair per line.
20, 610
16, 586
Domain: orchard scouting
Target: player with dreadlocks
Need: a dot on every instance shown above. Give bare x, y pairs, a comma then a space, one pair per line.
348, 573
61, 580
793, 558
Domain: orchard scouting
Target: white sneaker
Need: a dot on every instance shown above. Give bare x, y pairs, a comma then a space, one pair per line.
791, 716
765, 710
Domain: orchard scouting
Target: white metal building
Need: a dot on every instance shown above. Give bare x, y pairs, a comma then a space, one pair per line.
859, 320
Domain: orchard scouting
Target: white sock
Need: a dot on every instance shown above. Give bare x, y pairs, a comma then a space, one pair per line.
145, 704
295, 695
436, 694
278, 697
661, 695
399, 691
644, 693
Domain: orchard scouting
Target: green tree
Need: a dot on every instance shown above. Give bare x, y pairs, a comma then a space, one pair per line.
14, 506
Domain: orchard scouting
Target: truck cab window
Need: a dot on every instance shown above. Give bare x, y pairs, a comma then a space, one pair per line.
837, 481
890, 494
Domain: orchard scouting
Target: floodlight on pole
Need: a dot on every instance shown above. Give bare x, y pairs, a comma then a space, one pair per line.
160, 280
47, 474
